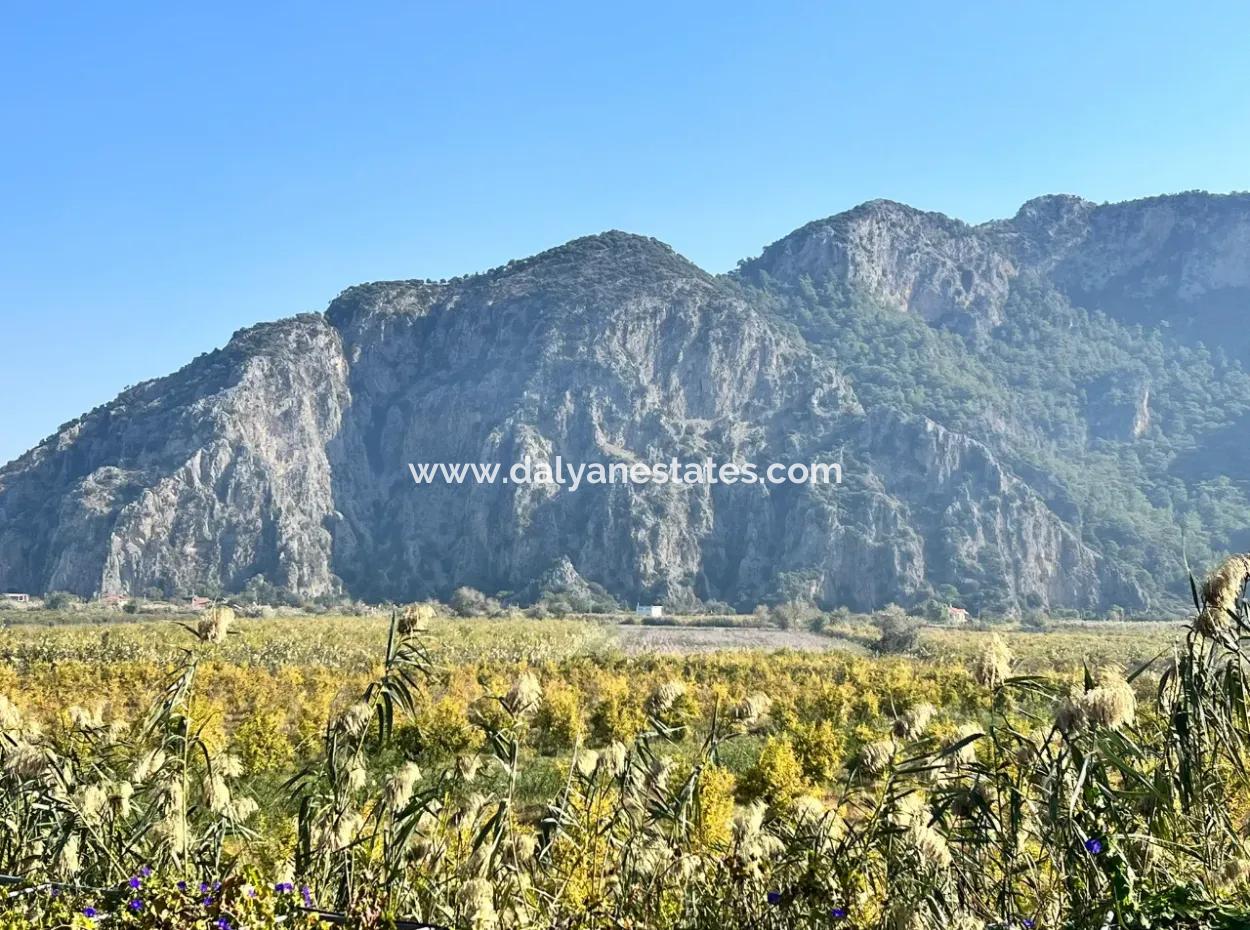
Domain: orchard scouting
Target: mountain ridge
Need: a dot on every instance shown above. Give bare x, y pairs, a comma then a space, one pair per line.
282, 453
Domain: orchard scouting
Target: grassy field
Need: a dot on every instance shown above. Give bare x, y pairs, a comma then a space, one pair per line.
557, 757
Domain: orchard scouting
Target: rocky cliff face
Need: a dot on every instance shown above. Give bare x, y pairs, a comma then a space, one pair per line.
199, 480
285, 454
1182, 260
924, 263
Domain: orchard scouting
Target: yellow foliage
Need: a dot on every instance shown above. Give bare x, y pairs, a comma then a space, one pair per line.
777, 776
618, 716
714, 800
558, 725
262, 744
820, 748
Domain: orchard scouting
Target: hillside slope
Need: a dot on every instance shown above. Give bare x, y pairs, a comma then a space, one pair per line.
1025, 413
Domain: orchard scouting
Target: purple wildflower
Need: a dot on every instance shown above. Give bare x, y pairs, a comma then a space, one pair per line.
838, 913
774, 897
306, 894
135, 882
136, 904
88, 912
1093, 846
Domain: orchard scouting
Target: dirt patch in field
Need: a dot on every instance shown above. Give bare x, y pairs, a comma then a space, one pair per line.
683, 640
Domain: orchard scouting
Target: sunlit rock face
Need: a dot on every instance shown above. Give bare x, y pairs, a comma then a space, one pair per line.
285, 454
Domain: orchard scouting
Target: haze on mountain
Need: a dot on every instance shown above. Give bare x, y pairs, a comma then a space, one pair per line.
1040, 413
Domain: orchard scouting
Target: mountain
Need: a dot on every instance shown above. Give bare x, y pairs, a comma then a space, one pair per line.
1038, 412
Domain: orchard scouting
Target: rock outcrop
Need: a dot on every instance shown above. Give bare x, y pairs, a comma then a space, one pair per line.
285, 454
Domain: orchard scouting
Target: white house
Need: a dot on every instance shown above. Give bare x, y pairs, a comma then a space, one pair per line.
655, 611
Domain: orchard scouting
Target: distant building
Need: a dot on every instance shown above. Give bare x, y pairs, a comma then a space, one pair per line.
113, 599
199, 602
654, 611
19, 598
956, 615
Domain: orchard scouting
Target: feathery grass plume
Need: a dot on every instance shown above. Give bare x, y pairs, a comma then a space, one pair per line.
69, 862
587, 762
467, 767
875, 757
652, 857
748, 821
1237, 872
1219, 595
355, 720
400, 785
524, 846
347, 828
149, 765
1071, 711
911, 724
524, 696
689, 867
217, 794
615, 758
967, 733
228, 765
908, 809
754, 846
904, 915
471, 808
658, 774
10, 716
817, 823
477, 903
172, 798
1112, 703
993, 665
91, 800
240, 809
416, 618
25, 762
665, 697
753, 709
214, 626
120, 794
1029, 745
174, 830
931, 847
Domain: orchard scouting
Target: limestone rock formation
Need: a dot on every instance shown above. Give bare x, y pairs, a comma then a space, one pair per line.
285, 454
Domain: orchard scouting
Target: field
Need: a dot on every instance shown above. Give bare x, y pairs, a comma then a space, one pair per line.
577, 773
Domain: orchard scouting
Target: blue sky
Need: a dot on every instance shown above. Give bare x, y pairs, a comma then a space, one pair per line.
173, 172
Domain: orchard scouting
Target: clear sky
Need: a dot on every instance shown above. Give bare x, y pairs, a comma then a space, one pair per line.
172, 173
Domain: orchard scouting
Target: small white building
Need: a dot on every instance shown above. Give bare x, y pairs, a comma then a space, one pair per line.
654, 611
